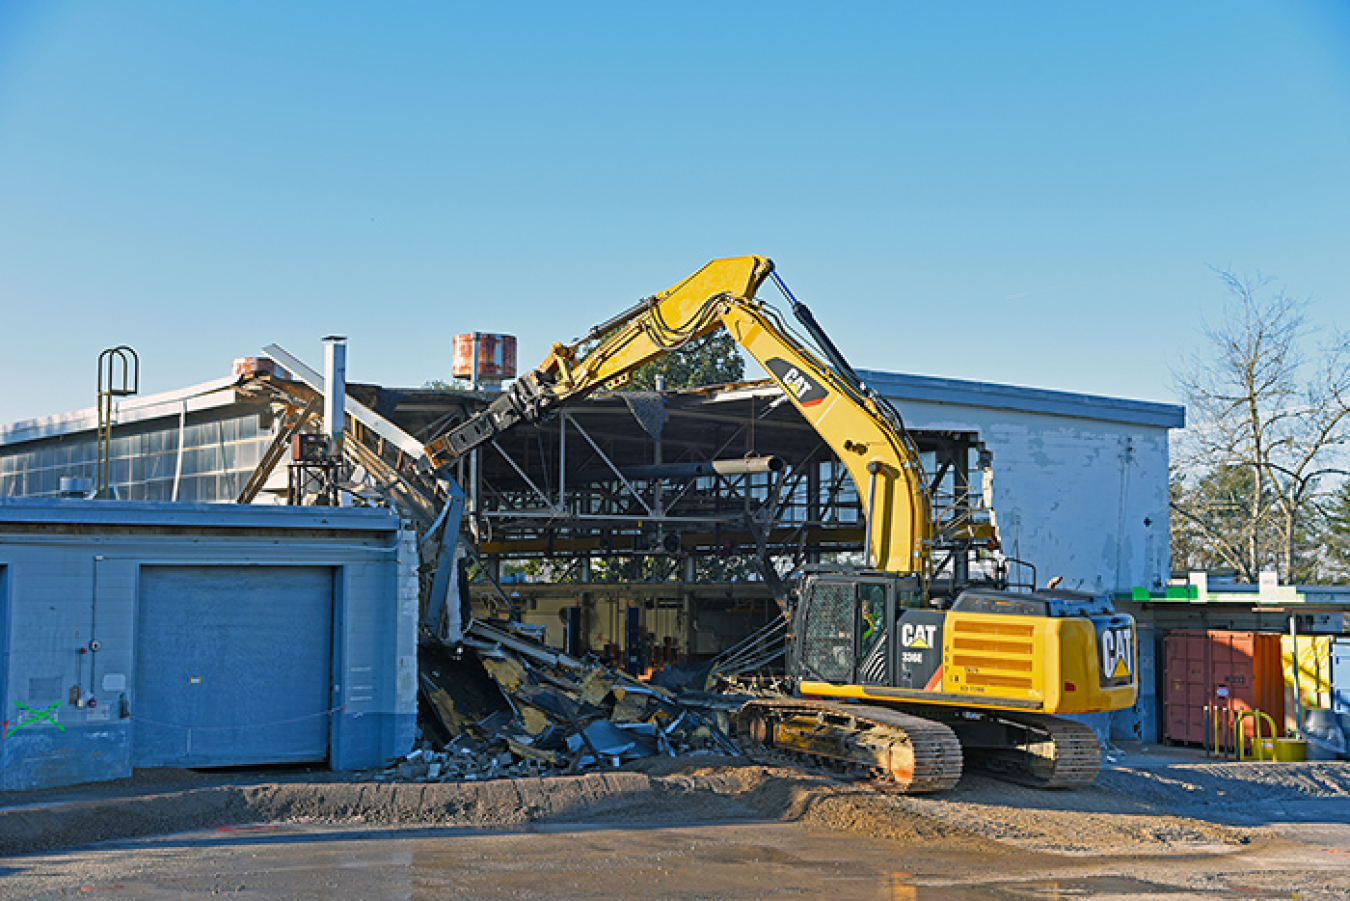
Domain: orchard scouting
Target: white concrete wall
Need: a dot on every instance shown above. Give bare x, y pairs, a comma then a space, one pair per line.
1085, 499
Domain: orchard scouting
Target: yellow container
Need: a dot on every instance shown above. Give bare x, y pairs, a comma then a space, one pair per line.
1286, 750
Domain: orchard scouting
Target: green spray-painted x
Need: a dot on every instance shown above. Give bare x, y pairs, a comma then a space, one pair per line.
39, 715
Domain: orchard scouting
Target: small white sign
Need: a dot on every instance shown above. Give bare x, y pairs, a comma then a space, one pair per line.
115, 682
194, 680
1222, 691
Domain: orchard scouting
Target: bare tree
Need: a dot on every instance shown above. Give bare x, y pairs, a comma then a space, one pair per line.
1267, 418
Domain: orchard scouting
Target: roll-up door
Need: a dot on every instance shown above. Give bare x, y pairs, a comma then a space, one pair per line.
233, 665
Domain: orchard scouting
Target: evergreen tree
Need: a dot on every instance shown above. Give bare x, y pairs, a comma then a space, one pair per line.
714, 359
1336, 548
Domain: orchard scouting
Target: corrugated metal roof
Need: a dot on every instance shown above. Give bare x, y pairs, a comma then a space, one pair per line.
895, 385
49, 511
206, 396
957, 392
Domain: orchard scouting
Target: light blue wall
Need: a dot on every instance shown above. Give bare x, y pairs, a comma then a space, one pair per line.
70, 572
1140, 722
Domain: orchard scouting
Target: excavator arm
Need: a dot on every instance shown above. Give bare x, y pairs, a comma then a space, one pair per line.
858, 426
657, 325
861, 427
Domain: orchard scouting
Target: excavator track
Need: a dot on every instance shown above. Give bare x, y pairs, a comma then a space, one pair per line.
885, 747
1051, 752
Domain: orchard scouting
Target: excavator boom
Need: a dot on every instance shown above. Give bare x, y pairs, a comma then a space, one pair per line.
859, 426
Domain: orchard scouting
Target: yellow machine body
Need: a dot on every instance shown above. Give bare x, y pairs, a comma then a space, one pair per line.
1015, 663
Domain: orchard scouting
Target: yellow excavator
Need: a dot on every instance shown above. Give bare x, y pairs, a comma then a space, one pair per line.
893, 683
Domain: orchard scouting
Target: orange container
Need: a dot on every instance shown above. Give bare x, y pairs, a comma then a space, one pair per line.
1217, 668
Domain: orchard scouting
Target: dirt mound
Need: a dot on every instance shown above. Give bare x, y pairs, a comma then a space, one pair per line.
1204, 808
981, 812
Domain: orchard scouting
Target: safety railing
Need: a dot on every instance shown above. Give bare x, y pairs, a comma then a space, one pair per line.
1225, 736
1258, 749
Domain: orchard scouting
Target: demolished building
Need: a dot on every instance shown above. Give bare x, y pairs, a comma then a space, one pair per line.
626, 529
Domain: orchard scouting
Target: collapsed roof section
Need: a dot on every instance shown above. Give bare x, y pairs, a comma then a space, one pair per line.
712, 472
691, 475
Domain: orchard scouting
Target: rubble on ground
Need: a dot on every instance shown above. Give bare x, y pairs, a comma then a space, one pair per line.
503, 705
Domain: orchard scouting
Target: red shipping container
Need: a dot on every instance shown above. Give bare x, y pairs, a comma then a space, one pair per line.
1235, 671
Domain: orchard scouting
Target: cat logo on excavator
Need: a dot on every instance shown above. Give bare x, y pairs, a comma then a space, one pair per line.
1117, 647
917, 635
806, 389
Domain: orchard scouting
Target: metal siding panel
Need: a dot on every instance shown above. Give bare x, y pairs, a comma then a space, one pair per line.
1340, 675
1186, 690
1199, 664
233, 665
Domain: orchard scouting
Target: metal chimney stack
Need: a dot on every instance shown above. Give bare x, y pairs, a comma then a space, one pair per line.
335, 392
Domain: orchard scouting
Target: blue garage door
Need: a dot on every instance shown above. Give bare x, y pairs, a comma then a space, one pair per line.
233, 665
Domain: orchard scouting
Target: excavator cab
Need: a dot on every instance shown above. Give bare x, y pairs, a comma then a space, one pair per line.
850, 627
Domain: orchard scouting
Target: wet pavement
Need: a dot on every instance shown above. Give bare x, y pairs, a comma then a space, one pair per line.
708, 861
1306, 856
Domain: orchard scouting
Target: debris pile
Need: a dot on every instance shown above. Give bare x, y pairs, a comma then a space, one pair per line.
503, 705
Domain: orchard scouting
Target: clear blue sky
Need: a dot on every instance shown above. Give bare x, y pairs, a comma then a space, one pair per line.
1029, 193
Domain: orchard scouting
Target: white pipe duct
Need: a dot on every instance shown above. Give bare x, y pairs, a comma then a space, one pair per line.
335, 392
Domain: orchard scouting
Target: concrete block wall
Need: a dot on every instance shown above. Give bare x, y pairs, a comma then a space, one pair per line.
70, 574
1079, 482
1088, 504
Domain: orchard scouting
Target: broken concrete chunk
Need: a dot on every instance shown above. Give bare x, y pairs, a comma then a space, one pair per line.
508, 672
535, 722
629, 706
595, 687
